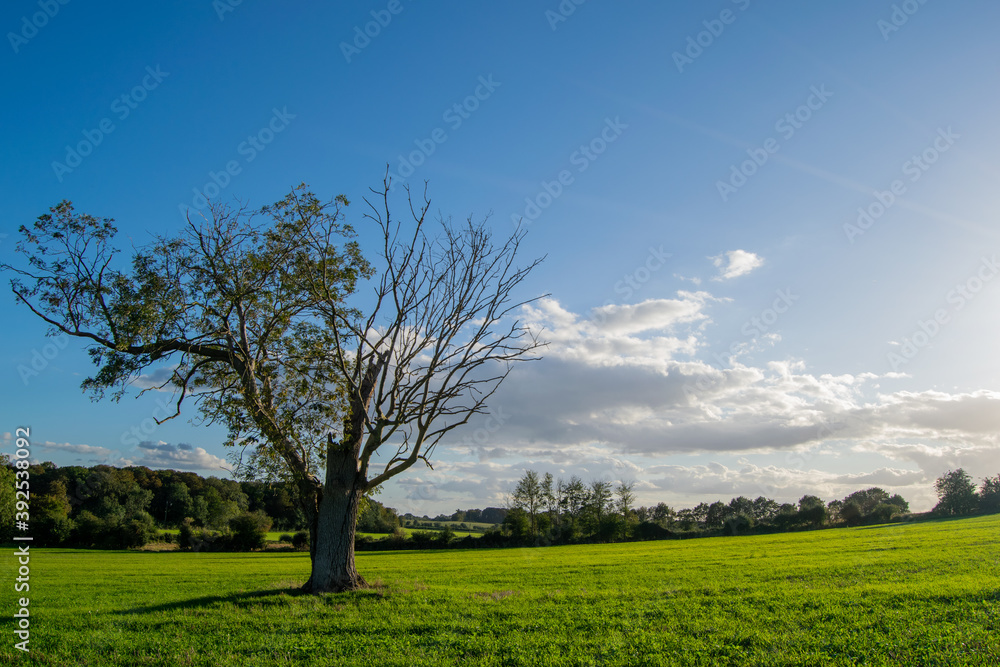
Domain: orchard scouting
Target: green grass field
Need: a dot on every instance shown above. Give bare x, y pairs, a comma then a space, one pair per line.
914, 594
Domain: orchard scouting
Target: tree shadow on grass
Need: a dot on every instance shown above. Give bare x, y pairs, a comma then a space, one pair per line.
245, 599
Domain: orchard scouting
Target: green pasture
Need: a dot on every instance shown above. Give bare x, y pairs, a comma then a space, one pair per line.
907, 594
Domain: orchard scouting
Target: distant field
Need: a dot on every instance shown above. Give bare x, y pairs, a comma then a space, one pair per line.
916, 594
275, 536
477, 526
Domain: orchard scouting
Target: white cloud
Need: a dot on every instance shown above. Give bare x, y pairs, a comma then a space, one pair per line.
626, 388
735, 263
178, 457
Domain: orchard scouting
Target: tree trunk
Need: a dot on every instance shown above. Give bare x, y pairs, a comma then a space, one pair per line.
332, 547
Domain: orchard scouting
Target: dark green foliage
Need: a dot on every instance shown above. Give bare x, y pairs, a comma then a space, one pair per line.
374, 517
300, 540
516, 524
249, 531
649, 530
737, 524
112, 508
445, 536
989, 495
956, 494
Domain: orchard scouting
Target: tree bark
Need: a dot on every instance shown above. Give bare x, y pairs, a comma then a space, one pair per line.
335, 527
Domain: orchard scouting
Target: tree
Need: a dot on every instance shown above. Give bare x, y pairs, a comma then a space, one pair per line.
528, 496
625, 498
662, 514
599, 498
248, 531
956, 493
624, 501
741, 505
8, 487
251, 311
551, 498
812, 510
716, 514
764, 509
177, 502
989, 495
865, 503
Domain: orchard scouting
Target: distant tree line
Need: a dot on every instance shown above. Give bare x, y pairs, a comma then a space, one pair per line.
115, 508
958, 496
544, 510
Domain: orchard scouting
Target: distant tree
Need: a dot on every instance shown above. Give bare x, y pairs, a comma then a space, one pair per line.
248, 531
624, 499
866, 502
850, 513
902, 506
700, 513
550, 498
764, 509
7, 500
528, 497
662, 515
741, 505
737, 524
717, 513
989, 495
445, 536
686, 519
786, 516
573, 495
516, 523
883, 513
493, 515
51, 514
812, 510
833, 509
599, 499
956, 494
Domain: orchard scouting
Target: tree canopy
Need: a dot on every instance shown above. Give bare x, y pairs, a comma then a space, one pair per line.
250, 311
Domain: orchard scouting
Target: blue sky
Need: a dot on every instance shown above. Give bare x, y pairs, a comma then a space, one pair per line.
769, 260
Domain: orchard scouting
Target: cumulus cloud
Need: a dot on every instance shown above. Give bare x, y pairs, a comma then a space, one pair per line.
179, 457
735, 263
625, 387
